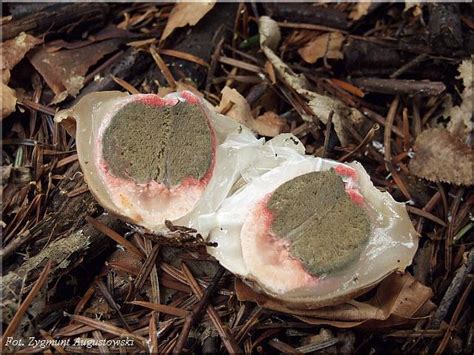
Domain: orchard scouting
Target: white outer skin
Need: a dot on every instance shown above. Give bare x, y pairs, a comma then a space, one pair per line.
149, 205
392, 244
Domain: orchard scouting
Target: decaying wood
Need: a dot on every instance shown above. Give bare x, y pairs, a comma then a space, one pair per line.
56, 16
445, 27
66, 213
65, 253
396, 86
453, 291
307, 13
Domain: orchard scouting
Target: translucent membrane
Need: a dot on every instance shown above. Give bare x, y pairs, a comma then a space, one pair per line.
150, 203
245, 249
226, 203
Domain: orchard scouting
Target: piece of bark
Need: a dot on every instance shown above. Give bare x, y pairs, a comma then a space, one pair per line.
65, 254
64, 71
362, 57
131, 66
397, 86
55, 16
445, 27
452, 291
67, 213
199, 41
306, 13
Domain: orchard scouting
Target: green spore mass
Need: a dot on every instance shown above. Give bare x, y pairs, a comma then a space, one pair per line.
325, 228
163, 144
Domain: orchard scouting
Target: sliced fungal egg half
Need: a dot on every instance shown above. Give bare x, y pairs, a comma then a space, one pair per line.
149, 159
312, 232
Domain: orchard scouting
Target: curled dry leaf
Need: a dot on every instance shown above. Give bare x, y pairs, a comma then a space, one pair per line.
461, 123
359, 10
320, 105
186, 13
343, 115
14, 50
398, 299
441, 157
8, 100
235, 106
270, 124
328, 45
64, 71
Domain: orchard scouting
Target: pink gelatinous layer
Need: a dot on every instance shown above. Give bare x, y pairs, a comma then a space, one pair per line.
141, 201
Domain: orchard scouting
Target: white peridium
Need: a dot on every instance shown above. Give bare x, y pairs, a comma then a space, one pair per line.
392, 243
151, 204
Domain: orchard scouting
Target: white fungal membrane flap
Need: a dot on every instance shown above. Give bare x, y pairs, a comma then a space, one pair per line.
150, 204
266, 263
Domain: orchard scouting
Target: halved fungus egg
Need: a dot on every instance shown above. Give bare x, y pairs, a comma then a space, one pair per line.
149, 159
313, 232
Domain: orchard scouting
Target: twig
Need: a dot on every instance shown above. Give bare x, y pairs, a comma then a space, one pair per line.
388, 147
11, 328
162, 308
426, 215
183, 55
409, 65
192, 318
212, 69
368, 137
397, 86
227, 338
450, 234
115, 236
111, 302
328, 133
454, 318
240, 64
109, 328
309, 26
152, 333
125, 85
452, 291
163, 67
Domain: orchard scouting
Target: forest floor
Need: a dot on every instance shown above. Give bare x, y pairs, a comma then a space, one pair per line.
386, 84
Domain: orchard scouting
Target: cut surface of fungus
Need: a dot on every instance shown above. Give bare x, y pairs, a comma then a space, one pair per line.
152, 143
312, 250
317, 221
149, 159
308, 231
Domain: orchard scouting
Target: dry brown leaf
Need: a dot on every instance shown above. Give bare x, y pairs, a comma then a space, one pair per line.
328, 45
235, 106
5, 76
64, 70
359, 10
460, 123
186, 13
14, 50
320, 105
8, 100
270, 124
398, 299
441, 157
343, 115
